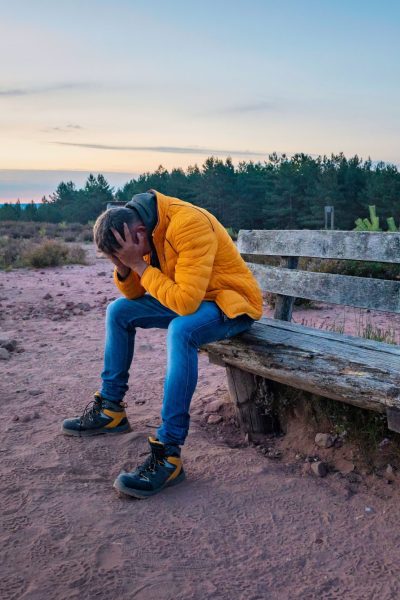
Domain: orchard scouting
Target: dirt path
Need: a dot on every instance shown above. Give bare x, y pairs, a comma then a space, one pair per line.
240, 527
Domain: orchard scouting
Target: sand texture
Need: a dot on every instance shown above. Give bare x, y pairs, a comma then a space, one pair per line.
240, 527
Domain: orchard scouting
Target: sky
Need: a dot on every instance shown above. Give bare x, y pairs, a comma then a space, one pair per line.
121, 87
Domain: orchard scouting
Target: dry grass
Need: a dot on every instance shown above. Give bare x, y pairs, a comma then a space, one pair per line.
30, 230
21, 252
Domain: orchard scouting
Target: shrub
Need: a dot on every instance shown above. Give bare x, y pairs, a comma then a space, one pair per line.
11, 251
48, 254
86, 236
51, 253
76, 255
358, 268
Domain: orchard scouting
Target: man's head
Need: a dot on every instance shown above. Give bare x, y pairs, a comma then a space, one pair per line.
116, 217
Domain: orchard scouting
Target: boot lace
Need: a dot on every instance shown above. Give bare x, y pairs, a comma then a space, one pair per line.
91, 412
151, 462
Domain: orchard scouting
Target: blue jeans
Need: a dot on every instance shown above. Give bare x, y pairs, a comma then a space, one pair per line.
185, 335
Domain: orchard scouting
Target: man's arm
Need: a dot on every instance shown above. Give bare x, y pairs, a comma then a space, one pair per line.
196, 243
126, 280
130, 287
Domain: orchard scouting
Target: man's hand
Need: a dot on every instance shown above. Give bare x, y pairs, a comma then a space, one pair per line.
131, 253
122, 269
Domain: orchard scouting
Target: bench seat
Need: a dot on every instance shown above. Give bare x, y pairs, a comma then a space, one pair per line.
347, 368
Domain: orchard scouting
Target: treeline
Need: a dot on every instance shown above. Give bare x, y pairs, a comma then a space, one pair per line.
279, 193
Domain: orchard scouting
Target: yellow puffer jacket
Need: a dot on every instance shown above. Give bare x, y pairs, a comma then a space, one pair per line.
198, 261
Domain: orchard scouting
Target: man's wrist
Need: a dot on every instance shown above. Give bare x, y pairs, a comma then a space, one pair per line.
123, 276
140, 267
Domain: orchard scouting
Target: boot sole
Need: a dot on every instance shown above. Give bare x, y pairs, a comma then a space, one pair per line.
89, 433
140, 494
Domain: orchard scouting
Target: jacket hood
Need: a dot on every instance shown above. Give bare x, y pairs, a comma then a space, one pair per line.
145, 205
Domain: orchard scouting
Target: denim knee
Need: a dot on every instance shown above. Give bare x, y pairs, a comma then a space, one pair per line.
116, 308
179, 330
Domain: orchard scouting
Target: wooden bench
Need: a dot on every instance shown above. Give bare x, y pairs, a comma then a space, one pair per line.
350, 369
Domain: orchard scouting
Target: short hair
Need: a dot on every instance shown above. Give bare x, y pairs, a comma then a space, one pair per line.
113, 217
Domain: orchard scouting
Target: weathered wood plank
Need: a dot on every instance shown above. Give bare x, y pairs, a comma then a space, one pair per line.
363, 292
284, 304
352, 340
357, 373
321, 243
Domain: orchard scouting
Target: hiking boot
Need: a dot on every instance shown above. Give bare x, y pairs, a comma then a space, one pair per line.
100, 416
162, 468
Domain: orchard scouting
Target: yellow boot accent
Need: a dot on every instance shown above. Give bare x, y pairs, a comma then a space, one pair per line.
175, 460
116, 417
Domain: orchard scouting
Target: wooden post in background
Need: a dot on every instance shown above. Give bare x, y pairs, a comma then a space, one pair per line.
284, 304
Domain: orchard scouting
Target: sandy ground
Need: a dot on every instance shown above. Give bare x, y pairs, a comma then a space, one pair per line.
241, 526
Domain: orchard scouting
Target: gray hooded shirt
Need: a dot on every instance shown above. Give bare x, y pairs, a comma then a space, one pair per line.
145, 205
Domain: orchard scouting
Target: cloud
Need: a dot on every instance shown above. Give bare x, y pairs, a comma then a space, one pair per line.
243, 109
45, 89
164, 149
68, 128
251, 108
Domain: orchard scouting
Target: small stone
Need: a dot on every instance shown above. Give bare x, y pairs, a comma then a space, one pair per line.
389, 474
76, 311
214, 406
35, 392
25, 418
274, 454
310, 458
48, 297
347, 467
4, 354
214, 419
324, 440
8, 344
83, 306
15, 418
101, 274
385, 442
319, 468
369, 510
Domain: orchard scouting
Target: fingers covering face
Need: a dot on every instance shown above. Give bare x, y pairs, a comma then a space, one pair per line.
118, 237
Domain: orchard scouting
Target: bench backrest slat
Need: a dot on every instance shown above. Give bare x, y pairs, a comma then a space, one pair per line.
321, 243
362, 292
289, 283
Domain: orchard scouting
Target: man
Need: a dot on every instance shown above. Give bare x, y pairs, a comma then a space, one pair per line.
177, 269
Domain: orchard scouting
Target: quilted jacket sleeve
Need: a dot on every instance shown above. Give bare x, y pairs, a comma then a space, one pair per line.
195, 242
130, 287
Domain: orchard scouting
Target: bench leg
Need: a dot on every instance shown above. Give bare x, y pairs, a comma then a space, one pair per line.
393, 419
253, 399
